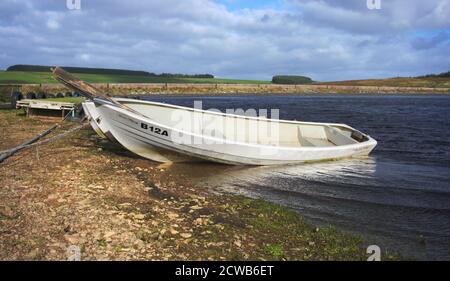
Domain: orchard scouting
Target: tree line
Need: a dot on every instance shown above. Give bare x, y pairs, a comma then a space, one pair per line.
105, 71
442, 75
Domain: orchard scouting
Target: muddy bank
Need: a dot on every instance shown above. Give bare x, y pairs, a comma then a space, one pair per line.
112, 205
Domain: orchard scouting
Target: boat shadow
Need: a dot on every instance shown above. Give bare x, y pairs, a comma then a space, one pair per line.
113, 148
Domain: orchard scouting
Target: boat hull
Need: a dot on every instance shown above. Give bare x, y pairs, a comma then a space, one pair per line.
92, 115
131, 130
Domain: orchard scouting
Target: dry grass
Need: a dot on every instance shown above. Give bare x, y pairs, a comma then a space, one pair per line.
432, 82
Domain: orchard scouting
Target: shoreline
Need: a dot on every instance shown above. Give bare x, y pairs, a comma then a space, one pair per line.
192, 94
157, 89
113, 205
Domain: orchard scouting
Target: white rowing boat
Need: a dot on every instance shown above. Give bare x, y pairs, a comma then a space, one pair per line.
103, 130
94, 118
164, 132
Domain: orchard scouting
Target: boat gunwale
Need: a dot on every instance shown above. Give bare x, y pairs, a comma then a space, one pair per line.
233, 115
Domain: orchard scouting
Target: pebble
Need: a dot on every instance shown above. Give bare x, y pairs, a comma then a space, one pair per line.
109, 234
52, 197
186, 235
72, 239
139, 216
172, 215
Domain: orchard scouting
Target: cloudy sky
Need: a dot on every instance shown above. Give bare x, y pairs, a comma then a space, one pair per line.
324, 39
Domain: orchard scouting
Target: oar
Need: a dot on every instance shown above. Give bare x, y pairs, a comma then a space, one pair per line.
72, 82
84, 88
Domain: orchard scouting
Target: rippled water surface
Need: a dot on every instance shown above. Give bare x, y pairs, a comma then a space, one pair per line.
398, 197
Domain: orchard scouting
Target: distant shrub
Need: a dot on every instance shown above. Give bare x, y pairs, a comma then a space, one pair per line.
31, 95
441, 75
445, 74
291, 79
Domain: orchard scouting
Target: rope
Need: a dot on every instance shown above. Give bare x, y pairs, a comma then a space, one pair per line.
33, 142
60, 136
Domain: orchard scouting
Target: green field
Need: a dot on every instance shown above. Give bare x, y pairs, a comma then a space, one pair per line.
21, 77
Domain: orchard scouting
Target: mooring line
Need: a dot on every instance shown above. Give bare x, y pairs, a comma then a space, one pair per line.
33, 142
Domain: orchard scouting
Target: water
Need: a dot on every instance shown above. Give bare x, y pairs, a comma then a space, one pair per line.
397, 198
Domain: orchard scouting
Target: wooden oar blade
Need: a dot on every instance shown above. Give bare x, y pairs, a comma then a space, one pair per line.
78, 85
84, 88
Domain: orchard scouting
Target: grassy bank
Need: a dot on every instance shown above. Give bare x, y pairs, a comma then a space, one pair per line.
428, 82
87, 192
20, 77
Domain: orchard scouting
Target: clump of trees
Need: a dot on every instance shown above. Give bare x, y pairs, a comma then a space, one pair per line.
442, 75
104, 71
291, 79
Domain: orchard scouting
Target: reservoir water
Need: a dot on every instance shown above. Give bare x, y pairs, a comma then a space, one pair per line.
397, 198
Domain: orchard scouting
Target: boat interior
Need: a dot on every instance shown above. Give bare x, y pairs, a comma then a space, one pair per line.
245, 129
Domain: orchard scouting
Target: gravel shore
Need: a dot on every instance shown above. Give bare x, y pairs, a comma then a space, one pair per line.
112, 205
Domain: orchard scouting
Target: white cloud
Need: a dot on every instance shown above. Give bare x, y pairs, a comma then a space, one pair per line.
52, 24
394, 15
85, 57
327, 40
